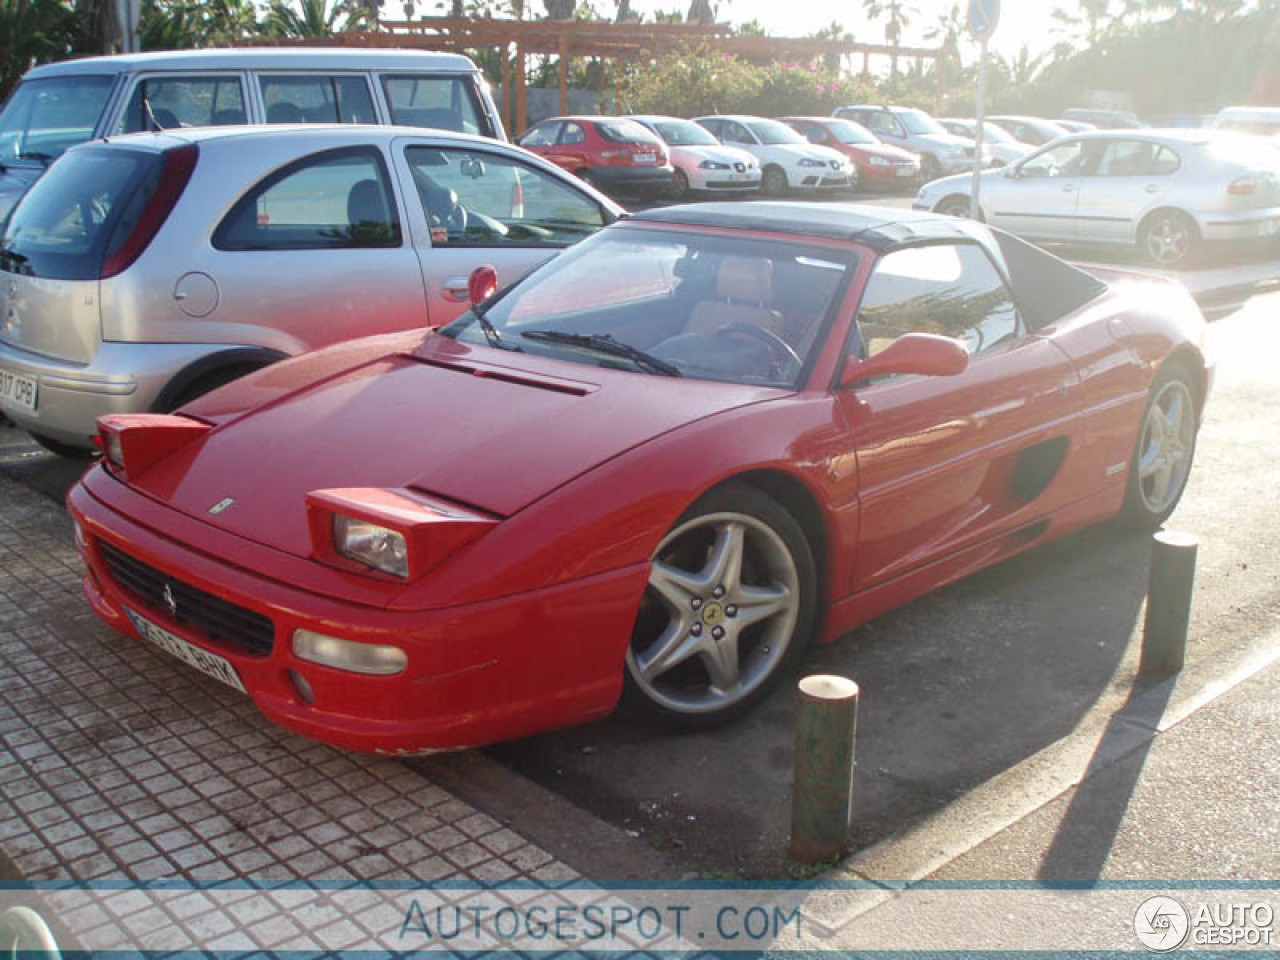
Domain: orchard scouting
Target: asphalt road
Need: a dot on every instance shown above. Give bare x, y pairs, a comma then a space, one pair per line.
958, 686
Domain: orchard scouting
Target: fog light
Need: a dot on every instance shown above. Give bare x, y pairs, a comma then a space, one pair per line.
303, 687
370, 658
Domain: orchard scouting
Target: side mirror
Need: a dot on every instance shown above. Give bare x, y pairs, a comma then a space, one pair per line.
1011, 171
924, 353
482, 284
472, 168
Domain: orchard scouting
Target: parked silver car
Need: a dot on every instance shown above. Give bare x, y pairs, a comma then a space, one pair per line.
141, 272
1164, 190
940, 152
1033, 130
996, 141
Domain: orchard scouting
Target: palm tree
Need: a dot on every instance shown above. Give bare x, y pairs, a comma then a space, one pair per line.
897, 14
1092, 19
232, 21
310, 19
948, 29
31, 32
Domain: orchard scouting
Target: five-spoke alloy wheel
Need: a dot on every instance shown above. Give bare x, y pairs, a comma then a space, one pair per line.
728, 610
1163, 454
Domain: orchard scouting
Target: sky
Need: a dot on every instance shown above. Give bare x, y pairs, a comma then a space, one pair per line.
1021, 21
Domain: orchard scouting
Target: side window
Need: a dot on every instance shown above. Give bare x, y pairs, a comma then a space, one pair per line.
948, 289
572, 133
295, 98
882, 122
736, 133
339, 198
441, 102
1066, 160
478, 199
543, 135
813, 133
163, 103
1165, 162
714, 127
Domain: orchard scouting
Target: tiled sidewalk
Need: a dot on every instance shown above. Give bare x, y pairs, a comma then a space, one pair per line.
119, 764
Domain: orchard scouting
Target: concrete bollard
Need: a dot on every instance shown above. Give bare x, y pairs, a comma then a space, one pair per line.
1164, 632
822, 791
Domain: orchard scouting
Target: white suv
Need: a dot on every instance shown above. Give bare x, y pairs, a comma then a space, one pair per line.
788, 161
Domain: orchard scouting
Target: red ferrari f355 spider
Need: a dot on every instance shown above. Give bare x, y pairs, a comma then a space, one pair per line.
655, 468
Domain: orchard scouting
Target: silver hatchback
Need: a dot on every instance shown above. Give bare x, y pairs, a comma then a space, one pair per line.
1165, 191
141, 272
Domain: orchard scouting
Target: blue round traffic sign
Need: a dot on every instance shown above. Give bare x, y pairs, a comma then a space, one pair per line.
983, 17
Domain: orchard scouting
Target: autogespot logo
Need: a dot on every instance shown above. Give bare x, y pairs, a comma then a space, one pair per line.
1161, 923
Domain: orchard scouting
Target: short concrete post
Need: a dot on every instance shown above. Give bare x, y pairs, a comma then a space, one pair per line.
1164, 633
822, 792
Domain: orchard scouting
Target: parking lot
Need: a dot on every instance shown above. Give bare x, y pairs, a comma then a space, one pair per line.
958, 688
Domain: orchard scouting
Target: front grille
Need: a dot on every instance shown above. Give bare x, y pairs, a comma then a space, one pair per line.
222, 620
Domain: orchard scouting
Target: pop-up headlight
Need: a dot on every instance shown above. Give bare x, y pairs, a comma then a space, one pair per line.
132, 442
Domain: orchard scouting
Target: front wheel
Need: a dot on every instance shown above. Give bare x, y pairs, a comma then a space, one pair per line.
955, 205
1163, 453
728, 611
774, 182
930, 169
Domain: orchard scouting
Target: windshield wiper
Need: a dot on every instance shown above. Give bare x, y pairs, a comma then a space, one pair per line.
44, 158
605, 343
13, 255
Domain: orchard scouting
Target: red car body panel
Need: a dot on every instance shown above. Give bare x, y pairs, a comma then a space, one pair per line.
906, 484
869, 174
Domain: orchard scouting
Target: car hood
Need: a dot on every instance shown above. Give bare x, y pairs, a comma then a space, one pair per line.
888, 151
718, 154
487, 429
940, 141
793, 152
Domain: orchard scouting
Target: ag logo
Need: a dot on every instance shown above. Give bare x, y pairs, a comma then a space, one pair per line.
1161, 923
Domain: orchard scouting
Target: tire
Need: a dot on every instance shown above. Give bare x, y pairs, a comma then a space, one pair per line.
1169, 239
955, 205
65, 450
930, 169
679, 188
721, 657
206, 384
1164, 451
774, 182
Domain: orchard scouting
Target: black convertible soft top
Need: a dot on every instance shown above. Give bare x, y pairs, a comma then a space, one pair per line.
1045, 287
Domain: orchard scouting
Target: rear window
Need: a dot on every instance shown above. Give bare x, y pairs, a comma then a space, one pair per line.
625, 131
45, 117
444, 103
75, 214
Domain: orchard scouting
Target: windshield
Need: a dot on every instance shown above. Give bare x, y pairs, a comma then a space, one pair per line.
917, 121
996, 134
846, 131
771, 132
44, 117
684, 133
712, 307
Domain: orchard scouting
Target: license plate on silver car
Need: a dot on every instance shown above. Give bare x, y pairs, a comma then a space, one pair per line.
18, 391
204, 661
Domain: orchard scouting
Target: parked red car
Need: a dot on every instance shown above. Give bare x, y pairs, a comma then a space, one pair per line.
613, 154
655, 467
880, 165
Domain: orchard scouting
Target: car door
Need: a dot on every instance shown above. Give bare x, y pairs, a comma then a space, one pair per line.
1038, 196
1131, 176
949, 462
472, 206
571, 150
315, 251
541, 139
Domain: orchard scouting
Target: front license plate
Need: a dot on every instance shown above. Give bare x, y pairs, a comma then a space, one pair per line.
645, 158
16, 390
905, 171
739, 176
204, 661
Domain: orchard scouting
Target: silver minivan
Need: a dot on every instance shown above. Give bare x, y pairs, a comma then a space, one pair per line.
61, 104
147, 269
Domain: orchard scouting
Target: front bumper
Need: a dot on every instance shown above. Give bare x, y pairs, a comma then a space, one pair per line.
716, 180
873, 175
121, 378
476, 674
820, 178
632, 178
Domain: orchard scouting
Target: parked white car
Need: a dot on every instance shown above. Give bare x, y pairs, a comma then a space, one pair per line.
702, 162
787, 160
1165, 191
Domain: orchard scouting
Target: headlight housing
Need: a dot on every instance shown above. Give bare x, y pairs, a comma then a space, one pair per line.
955, 151
810, 162
879, 162
374, 659
712, 165
371, 544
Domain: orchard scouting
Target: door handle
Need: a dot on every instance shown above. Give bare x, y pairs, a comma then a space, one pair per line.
1151, 188
457, 289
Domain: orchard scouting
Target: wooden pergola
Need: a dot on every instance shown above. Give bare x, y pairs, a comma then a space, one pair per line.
603, 40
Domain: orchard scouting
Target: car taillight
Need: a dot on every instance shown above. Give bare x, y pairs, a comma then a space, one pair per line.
174, 175
1243, 186
613, 156
132, 442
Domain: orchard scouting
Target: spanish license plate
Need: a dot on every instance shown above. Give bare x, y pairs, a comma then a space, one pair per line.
739, 177
906, 171
172, 644
644, 157
16, 390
